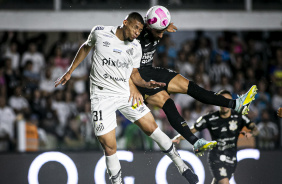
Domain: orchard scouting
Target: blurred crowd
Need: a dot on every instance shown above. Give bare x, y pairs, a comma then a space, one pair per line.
36, 116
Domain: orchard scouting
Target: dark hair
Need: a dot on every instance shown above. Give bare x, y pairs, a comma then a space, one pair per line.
224, 91
135, 16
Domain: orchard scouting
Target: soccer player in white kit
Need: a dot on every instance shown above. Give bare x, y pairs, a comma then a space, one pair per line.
113, 78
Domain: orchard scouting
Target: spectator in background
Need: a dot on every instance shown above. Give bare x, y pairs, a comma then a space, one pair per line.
31, 79
7, 118
60, 59
221, 52
14, 55
18, 102
204, 51
166, 46
73, 139
183, 66
224, 84
85, 119
268, 135
275, 71
50, 120
36, 104
3, 83
56, 72
263, 98
200, 68
47, 84
35, 57
12, 77
63, 111
277, 99
219, 68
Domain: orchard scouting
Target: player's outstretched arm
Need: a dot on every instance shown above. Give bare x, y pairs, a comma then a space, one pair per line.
135, 95
80, 56
138, 81
171, 28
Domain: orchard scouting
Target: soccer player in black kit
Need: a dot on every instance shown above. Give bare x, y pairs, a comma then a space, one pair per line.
224, 126
176, 83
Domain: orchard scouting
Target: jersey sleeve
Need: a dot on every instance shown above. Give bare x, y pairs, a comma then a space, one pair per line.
91, 40
201, 123
137, 56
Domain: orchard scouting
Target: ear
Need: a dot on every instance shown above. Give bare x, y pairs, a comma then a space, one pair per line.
125, 22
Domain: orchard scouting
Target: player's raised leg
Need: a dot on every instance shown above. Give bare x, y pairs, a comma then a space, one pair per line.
163, 100
179, 84
150, 128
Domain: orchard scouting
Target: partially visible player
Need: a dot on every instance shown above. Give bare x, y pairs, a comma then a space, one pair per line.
113, 74
279, 112
157, 22
224, 126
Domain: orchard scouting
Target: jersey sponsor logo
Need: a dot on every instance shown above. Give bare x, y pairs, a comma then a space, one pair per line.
233, 125
130, 51
100, 127
147, 57
107, 76
106, 44
117, 51
118, 64
224, 129
227, 146
146, 45
213, 117
222, 171
99, 28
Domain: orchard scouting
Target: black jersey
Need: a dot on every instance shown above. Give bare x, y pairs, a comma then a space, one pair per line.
149, 47
223, 130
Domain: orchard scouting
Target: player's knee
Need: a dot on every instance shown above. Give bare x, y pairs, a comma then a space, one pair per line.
110, 150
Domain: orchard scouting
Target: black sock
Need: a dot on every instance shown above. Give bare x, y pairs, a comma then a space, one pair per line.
209, 97
177, 122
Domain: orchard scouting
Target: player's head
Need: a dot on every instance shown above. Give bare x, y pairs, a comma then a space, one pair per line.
157, 20
132, 26
226, 94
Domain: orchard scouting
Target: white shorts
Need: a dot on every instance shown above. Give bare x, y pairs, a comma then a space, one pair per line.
103, 111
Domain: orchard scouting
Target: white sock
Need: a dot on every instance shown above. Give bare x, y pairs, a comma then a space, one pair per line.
113, 164
168, 148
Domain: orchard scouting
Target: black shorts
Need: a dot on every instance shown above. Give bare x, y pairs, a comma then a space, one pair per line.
157, 74
222, 166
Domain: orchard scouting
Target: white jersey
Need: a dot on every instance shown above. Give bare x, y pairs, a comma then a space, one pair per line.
112, 62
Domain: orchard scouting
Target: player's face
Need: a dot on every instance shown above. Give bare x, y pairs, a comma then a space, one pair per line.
132, 30
158, 34
225, 110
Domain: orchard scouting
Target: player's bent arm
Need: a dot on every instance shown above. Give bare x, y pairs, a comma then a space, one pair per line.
138, 81
254, 129
79, 57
